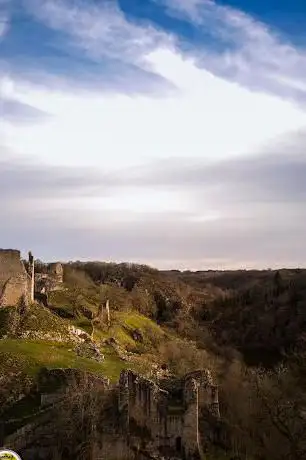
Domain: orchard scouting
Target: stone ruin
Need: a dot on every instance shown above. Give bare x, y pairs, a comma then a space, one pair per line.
155, 421
16, 283
50, 280
165, 419
20, 283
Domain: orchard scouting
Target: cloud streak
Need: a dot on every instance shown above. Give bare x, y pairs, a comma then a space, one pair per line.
275, 174
163, 152
100, 29
33, 179
15, 111
176, 243
241, 212
248, 51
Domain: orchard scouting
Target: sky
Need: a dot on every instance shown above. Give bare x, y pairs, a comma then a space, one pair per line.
164, 132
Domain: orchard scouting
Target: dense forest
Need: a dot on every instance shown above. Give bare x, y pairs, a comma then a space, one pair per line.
251, 325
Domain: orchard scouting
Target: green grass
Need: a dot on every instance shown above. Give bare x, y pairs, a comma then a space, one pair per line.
41, 319
83, 323
135, 320
32, 355
122, 325
73, 300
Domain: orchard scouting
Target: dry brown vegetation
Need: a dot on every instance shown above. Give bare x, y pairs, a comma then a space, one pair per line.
248, 327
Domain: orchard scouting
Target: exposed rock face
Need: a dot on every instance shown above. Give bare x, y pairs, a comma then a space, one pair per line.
89, 350
15, 282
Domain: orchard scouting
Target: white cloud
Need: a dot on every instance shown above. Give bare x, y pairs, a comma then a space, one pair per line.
5, 17
100, 28
250, 51
3, 27
208, 117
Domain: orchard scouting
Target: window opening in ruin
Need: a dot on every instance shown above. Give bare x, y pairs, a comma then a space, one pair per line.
178, 444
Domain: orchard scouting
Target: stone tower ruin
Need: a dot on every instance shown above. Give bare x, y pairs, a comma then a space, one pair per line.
57, 272
166, 418
31, 272
16, 284
51, 279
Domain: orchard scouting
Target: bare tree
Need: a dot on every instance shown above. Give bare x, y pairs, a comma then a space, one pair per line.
82, 415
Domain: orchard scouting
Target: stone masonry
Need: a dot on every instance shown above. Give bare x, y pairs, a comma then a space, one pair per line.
15, 282
51, 280
164, 418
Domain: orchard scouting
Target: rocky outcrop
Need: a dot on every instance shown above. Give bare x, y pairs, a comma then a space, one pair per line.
89, 350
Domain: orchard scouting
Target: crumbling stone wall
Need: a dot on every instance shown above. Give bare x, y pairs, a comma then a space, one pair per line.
167, 423
207, 391
15, 283
57, 272
50, 281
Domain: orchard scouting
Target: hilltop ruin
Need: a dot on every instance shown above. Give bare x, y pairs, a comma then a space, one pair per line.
19, 281
16, 284
51, 279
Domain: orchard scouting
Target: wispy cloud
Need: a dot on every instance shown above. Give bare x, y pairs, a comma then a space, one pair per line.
206, 174
101, 29
274, 174
27, 177
17, 112
234, 45
89, 45
186, 123
4, 18
177, 242
238, 212
243, 48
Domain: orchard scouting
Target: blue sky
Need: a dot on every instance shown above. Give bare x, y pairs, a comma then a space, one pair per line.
167, 132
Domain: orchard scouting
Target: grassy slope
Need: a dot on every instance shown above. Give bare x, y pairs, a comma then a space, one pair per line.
25, 357
123, 323
31, 355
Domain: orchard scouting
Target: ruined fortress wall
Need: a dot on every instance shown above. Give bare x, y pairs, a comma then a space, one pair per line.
208, 393
10, 263
173, 428
14, 280
57, 272
111, 447
171, 422
191, 418
50, 281
138, 401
